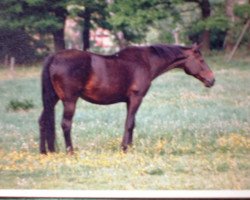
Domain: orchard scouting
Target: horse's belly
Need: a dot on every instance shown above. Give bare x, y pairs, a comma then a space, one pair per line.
103, 96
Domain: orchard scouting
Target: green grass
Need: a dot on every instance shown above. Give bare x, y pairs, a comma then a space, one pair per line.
187, 136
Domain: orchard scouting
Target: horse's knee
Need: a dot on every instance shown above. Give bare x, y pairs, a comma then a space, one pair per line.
66, 125
131, 126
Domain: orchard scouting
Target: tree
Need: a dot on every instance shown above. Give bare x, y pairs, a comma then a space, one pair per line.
205, 8
47, 17
229, 5
93, 13
243, 12
32, 16
211, 28
206, 12
238, 13
15, 43
131, 19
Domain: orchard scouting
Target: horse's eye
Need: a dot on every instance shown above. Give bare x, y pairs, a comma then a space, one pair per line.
196, 51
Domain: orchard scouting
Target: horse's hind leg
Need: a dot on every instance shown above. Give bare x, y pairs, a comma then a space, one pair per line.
47, 126
42, 133
68, 113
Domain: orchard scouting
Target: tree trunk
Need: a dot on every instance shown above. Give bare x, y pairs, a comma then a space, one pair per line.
121, 39
59, 43
206, 12
248, 46
239, 39
229, 43
206, 40
86, 29
58, 35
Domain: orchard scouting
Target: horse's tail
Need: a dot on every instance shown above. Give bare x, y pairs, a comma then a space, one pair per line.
48, 92
47, 119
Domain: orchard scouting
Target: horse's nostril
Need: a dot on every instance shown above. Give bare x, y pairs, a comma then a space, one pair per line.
212, 82
209, 83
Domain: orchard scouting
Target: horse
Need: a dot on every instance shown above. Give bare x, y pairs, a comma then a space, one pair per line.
125, 76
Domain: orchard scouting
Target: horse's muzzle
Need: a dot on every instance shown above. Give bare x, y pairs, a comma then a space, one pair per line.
209, 83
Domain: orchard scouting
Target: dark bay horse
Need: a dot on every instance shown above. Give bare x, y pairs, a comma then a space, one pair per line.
123, 77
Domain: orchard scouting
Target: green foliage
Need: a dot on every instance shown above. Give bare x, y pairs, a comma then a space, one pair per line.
155, 172
243, 14
133, 18
29, 17
32, 15
16, 105
216, 22
45, 16
242, 11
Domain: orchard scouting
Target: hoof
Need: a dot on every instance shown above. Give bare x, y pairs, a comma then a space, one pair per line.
70, 151
43, 152
125, 148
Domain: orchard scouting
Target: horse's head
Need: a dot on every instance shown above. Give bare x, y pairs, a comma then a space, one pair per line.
197, 67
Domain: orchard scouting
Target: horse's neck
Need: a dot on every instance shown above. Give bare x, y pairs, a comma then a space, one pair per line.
165, 66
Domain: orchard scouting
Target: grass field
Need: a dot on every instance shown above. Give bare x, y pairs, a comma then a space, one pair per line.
187, 136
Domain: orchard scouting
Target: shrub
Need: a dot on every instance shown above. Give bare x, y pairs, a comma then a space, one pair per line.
16, 105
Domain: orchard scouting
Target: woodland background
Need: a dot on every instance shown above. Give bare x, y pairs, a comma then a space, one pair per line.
31, 29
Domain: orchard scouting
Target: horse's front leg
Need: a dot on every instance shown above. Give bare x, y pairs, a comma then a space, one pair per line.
68, 113
132, 107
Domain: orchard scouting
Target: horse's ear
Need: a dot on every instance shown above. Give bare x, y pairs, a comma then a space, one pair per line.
196, 47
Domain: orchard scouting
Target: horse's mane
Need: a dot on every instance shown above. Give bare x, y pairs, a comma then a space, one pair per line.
172, 52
